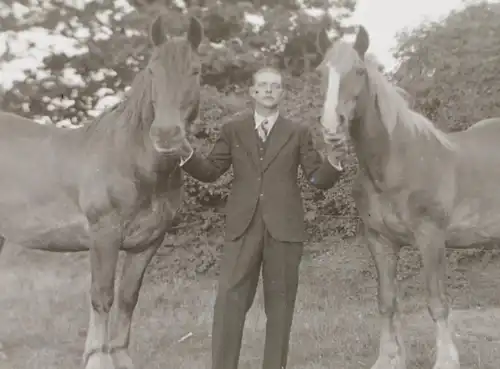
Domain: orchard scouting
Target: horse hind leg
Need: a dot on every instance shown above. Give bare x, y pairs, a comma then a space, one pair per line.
2, 242
134, 267
431, 242
385, 255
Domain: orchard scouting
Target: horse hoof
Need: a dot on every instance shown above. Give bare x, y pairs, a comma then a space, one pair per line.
448, 364
100, 361
389, 363
122, 360
447, 358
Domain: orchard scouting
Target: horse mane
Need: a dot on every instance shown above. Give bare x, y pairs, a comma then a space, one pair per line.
395, 110
135, 111
132, 113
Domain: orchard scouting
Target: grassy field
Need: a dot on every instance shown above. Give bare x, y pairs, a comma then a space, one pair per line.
44, 311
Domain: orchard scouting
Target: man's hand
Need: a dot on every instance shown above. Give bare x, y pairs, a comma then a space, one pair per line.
185, 151
335, 161
337, 148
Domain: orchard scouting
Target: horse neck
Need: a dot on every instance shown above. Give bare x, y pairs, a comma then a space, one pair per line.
123, 133
370, 139
391, 159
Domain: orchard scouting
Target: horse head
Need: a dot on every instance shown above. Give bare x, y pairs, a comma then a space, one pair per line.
344, 78
174, 70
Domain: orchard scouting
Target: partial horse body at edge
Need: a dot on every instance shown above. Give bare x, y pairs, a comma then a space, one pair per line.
416, 185
114, 184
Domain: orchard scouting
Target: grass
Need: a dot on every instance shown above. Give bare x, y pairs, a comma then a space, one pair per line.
44, 312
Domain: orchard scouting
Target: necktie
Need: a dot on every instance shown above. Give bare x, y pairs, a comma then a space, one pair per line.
263, 130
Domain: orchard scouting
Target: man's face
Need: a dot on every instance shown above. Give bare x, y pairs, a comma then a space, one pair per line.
267, 89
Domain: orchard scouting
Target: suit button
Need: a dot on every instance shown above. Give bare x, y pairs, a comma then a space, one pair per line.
261, 195
261, 158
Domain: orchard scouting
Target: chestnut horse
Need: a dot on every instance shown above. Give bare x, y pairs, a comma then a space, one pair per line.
111, 185
416, 186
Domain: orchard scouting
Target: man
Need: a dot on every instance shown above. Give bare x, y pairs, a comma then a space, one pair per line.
265, 218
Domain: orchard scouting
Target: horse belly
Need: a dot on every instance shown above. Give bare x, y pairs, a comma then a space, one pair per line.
52, 226
475, 215
35, 208
475, 218
40, 215
474, 222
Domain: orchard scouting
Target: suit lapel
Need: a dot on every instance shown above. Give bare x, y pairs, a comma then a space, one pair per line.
278, 137
248, 139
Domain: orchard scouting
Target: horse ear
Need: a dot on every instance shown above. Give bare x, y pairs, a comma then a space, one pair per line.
322, 42
157, 32
195, 33
362, 42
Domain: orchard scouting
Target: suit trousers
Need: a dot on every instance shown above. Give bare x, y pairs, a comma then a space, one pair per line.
241, 264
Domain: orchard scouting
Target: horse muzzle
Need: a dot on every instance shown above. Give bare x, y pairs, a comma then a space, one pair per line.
167, 140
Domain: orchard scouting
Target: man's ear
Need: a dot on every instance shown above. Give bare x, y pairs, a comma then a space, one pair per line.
252, 91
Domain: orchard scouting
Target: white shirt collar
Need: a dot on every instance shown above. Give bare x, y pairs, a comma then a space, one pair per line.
270, 119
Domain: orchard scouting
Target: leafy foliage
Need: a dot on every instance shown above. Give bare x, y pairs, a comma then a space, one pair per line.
109, 42
452, 67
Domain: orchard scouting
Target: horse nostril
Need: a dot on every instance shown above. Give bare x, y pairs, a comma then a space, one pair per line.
342, 119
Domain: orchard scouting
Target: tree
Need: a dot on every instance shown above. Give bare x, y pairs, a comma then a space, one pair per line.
109, 36
452, 67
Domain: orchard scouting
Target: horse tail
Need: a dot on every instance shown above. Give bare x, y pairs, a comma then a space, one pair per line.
2, 241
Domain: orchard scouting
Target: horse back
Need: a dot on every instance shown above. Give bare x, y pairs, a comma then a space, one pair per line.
32, 151
15, 125
478, 153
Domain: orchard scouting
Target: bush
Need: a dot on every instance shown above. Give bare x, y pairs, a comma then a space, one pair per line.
198, 233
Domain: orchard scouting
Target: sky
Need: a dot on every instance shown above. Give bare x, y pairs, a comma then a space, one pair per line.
382, 18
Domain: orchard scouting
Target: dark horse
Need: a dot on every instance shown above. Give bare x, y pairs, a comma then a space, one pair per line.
111, 185
416, 185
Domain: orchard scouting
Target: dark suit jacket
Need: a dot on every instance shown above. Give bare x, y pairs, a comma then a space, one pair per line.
268, 176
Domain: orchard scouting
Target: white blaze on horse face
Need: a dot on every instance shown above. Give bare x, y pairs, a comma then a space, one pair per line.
330, 120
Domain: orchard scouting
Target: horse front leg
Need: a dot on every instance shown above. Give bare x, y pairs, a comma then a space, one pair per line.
385, 255
431, 242
104, 251
134, 267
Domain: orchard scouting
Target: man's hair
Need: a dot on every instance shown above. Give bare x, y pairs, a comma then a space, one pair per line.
266, 69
